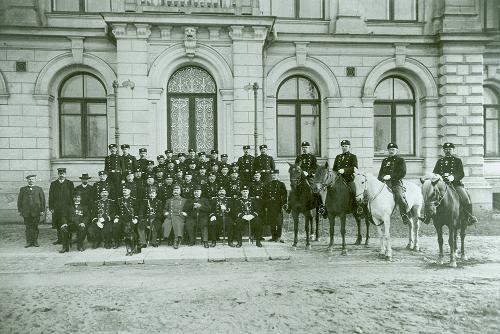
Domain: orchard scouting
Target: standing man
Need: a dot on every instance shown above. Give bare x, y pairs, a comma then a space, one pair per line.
101, 184
60, 201
264, 164
306, 160
451, 169
126, 218
151, 214
245, 165
31, 205
86, 190
129, 161
344, 165
143, 161
113, 165
392, 171
275, 198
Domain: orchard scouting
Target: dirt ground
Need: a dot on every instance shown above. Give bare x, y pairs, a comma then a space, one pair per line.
313, 292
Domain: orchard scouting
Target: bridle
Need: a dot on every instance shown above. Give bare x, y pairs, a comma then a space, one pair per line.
329, 180
439, 196
363, 194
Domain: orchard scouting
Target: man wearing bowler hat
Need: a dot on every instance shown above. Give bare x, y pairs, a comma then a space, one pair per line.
60, 201
392, 171
113, 165
31, 205
264, 164
451, 169
86, 190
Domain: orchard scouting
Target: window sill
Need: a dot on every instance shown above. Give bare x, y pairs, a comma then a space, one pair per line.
76, 161
390, 23
492, 159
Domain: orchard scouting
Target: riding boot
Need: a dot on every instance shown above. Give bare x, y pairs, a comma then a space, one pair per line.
471, 219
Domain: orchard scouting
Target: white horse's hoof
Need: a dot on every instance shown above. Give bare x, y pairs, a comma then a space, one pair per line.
409, 246
453, 264
308, 247
388, 258
464, 257
344, 252
416, 248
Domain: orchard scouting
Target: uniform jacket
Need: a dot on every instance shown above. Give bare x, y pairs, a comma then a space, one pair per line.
104, 208
451, 165
264, 163
61, 195
143, 164
151, 208
223, 181
87, 194
216, 204
135, 190
203, 211
129, 162
234, 188
256, 189
113, 163
173, 209
307, 162
210, 189
99, 185
248, 206
78, 213
245, 164
31, 201
346, 161
275, 194
394, 166
187, 189
127, 208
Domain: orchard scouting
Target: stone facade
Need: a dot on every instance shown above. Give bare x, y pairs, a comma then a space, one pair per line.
446, 55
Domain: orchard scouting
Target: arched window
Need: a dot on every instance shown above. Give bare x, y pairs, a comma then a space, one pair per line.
491, 107
394, 112
82, 117
298, 116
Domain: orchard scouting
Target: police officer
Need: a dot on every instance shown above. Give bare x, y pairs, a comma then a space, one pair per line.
151, 218
169, 156
162, 165
344, 165
78, 219
126, 218
221, 218
214, 158
264, 164
102, 212
129, 161
275, 198
245, 165
198, 209
451, 169
306, 160
143, 161
223, 162
113, 165
247, 214
392, 171
103, 183
212, 186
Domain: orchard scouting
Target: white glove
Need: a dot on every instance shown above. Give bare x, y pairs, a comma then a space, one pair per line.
99, 224
306, 173
101, 220
116, 220
387, 177
246, 217
177, 162
451, 178
167, 213
223, 207
250, 217
64, 225
197, 205
341, 171
184, 214
213, 218
82, 224
446, 174
134, 221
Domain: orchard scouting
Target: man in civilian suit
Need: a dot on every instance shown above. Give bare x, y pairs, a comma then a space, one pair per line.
31, 205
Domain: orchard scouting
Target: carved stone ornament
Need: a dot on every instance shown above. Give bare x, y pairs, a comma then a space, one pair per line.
190, 39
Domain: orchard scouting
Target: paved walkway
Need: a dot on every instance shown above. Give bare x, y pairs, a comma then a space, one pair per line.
185, 254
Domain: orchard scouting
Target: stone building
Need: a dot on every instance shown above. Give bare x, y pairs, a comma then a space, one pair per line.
412, 71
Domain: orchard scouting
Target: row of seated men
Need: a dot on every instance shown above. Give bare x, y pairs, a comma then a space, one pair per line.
153, 218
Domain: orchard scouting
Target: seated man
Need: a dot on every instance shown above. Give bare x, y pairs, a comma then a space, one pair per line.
246, 212
101, 227
451, 169
76, 222
175, 216
392, 171
220, 219
150, 213
197, 209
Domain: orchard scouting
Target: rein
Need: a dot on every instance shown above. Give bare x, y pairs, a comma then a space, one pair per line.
439, 200
330, 181
364, 192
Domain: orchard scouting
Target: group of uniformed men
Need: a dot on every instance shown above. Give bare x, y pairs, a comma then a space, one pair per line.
183, 194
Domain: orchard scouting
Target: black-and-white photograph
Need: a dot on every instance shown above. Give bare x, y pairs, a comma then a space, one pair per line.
250, 166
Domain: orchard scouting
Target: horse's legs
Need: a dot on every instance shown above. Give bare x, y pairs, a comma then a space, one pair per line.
416, 229
452, 243
463, 226
410, 235
387, 234
439, 230
342, 231
295, 217
308, 220
316, 235
331, 219
358, 225
367, 223
381, 237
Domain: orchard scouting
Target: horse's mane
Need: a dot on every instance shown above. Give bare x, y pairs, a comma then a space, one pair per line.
427, 186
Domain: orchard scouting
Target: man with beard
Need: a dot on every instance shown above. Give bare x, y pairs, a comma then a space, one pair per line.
125, 220
221, 221
247, 215
143, 161
151, 219
78, 218
31, 205
60, 201
197, 209
175, 216
102, 212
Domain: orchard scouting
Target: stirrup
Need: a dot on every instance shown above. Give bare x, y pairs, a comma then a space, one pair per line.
471, 220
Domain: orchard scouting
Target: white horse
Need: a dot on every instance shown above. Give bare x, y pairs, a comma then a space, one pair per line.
381, 204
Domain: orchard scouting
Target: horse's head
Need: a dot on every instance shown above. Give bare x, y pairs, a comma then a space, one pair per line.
433, 189
360, 181
296, 174
323, 177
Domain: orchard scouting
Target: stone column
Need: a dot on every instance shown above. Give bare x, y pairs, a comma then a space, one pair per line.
159, 121
132, 63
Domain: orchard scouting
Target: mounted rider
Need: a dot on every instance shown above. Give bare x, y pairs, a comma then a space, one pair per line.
392, 171
344, 164
308, 163
451, 169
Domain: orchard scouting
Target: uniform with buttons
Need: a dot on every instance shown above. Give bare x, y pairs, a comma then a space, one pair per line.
275, 197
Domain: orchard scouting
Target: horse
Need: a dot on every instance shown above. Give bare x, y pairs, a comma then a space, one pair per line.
381, 204
338, 203
442, 205
301, 200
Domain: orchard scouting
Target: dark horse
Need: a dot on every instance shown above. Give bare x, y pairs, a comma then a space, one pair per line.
338, 203
301, 200
442, 204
